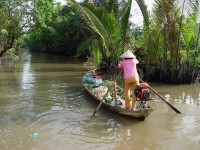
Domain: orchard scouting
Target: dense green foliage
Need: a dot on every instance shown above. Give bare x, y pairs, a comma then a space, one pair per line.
108, 26
13, 21
56, 30
167, 46
174, 51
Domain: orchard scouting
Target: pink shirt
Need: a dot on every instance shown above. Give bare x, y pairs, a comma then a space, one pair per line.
129, 66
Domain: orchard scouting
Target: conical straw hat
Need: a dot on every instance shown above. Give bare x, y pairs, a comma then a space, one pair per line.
127, 54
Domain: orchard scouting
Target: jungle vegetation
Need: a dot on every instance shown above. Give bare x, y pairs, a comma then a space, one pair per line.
167, 45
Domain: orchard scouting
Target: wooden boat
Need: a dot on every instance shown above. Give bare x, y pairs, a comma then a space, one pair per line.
117, 102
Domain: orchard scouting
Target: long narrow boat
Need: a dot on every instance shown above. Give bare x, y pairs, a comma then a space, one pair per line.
103, 90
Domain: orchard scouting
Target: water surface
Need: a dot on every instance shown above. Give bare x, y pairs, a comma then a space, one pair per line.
43, 107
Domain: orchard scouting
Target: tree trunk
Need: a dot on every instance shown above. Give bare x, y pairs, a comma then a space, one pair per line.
8, 46
2, 52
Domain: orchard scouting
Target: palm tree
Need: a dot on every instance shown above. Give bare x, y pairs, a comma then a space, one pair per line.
108, 27
177, 34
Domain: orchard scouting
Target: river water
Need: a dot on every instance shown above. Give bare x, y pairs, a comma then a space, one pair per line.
43, 107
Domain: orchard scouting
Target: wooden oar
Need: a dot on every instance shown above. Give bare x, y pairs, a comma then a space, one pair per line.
176, 110
105, 95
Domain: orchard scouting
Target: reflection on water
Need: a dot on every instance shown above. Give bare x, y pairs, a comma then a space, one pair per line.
28, 79
43, 106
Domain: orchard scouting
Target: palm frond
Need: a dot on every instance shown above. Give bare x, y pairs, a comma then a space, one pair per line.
124, 22
105, 26
110, 6
84, 45
96, 53
143, 8
93, 22
111, 28
53, 30
99, 29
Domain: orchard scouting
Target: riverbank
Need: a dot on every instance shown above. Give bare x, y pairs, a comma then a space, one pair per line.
7, 59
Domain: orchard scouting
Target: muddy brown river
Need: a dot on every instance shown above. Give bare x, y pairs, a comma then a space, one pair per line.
43, 107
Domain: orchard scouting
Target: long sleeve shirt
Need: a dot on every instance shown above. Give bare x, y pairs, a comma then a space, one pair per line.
129, 66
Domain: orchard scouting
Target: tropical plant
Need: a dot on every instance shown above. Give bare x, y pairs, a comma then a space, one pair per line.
108, 27
173, 38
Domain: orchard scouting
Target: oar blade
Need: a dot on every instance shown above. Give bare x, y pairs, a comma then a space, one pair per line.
175, 109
